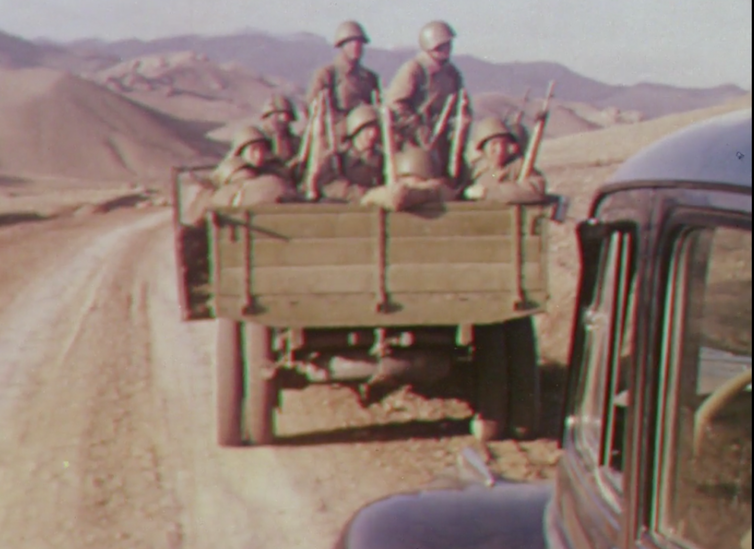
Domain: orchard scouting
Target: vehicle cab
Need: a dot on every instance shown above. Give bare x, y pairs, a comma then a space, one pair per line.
658, 418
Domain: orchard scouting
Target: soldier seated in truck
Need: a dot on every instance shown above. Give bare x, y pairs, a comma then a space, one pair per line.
348, 174
278, 113
418, 181
656, 430
494, 176
252, 146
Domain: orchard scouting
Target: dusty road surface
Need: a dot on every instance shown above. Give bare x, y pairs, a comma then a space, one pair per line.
105, 413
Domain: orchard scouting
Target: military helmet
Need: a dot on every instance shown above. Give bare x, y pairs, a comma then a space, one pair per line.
487, 129
361, 116
350, 30
227, 168
247, 136
435, 34
415, 161
521, 134
279, 103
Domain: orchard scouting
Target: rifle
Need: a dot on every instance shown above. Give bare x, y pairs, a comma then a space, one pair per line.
442, 122
520, 115
388, 144
459, 136
536, 140
330, 129
303, 151
312, 168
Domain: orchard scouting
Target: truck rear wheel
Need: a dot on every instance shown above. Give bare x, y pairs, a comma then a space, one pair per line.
229, 374
524, 388
261, 389
491, 406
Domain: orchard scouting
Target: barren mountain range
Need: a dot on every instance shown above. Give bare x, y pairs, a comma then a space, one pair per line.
131, 109
294, 57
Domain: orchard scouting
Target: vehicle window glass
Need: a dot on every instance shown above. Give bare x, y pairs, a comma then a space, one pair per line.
604, 386
704, 498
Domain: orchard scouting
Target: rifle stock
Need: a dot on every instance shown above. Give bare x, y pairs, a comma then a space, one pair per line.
536, 140
312, 168
442, 122
388, 144
457, 145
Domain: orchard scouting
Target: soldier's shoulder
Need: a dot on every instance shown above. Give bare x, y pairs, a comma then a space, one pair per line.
370, 74
324, 72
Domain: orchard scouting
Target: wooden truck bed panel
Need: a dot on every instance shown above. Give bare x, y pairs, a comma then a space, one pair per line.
359, 310
308, 265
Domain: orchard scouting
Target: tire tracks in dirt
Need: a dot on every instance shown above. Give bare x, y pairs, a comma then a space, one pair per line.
79, 458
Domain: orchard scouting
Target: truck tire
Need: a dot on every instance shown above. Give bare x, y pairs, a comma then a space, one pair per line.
491, 406
524, 386
261, 389
228, 384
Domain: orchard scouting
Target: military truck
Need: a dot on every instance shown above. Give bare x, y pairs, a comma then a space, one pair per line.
657, 430
318, 293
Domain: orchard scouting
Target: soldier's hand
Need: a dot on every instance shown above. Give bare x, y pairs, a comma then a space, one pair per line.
475, 192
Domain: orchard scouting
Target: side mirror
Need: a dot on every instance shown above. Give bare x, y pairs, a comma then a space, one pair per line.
562, 205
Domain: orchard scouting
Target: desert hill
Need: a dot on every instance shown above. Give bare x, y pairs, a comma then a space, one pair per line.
577, 166
295, 57
190, 86
616, 144
58, 125
17, 53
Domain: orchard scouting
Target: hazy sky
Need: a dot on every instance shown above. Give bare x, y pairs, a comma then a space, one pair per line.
691, 42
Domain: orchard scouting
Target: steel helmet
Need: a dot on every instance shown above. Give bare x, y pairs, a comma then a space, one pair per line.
350, 30
488, 128
361, 116
521, 133
435, 34
247, 136
415, 161
279, 103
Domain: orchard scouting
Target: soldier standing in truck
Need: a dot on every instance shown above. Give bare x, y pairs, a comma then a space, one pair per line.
422, 86
346, 81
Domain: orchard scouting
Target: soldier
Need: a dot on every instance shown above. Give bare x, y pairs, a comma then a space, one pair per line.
347, 82
423, 84
277, 116
419, 181
253, 146
347, 175
522, 137
495, 175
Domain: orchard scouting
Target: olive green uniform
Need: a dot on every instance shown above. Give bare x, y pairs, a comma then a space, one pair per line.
347, 87
361, 171
501, 184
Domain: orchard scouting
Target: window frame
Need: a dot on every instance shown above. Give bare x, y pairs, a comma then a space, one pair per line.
683, 221
612, 300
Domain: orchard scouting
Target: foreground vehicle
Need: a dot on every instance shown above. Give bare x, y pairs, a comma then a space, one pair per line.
658, 421
335, 293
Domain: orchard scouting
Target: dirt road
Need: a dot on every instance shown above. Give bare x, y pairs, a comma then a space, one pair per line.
105, 413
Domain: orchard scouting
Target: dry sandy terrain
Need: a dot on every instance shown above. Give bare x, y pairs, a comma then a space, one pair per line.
105, 412
106, 435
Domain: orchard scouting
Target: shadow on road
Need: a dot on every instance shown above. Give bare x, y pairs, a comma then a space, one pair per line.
389, 432
22, 217
553, 377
